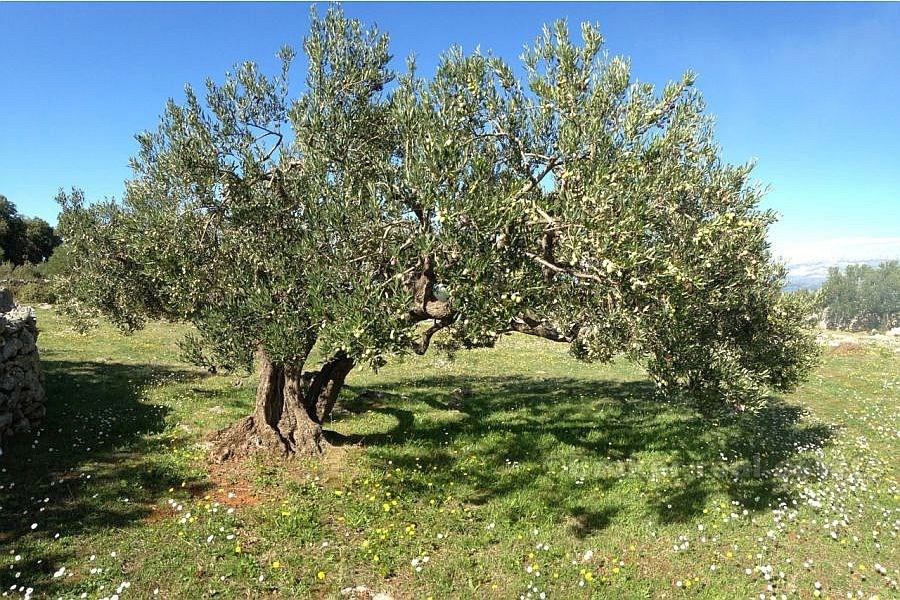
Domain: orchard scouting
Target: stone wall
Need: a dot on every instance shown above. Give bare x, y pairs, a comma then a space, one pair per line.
22, 400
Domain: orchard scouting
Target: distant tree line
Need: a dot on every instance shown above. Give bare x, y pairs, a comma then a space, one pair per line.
27, 246
24, 239
862, 297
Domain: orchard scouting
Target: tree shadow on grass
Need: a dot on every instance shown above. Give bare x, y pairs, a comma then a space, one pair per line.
85, 470
526, 434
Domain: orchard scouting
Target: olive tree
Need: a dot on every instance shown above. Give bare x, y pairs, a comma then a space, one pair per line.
375, 209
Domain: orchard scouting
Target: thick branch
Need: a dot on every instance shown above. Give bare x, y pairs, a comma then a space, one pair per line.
548, 243
425, 305
324, 386
425, 342
565, 270
529, 324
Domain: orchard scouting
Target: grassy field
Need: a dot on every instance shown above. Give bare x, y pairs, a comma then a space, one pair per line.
551, 479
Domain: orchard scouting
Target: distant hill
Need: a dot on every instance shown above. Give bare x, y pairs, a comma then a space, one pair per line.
808, 262
812, 275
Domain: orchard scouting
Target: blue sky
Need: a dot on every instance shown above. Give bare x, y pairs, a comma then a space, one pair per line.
809, 90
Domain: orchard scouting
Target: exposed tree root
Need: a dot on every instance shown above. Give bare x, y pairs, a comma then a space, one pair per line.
246, 438
290, 407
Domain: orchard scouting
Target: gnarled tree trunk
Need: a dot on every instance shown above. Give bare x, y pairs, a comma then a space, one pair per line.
289, 411
291, 405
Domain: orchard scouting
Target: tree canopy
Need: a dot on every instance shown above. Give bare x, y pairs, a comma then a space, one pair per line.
374, 209
23, 239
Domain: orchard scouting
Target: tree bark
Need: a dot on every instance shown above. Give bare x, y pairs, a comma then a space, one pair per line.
289, 411
325, 386
291, 405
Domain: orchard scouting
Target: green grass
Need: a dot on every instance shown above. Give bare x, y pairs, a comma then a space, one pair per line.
548, 462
